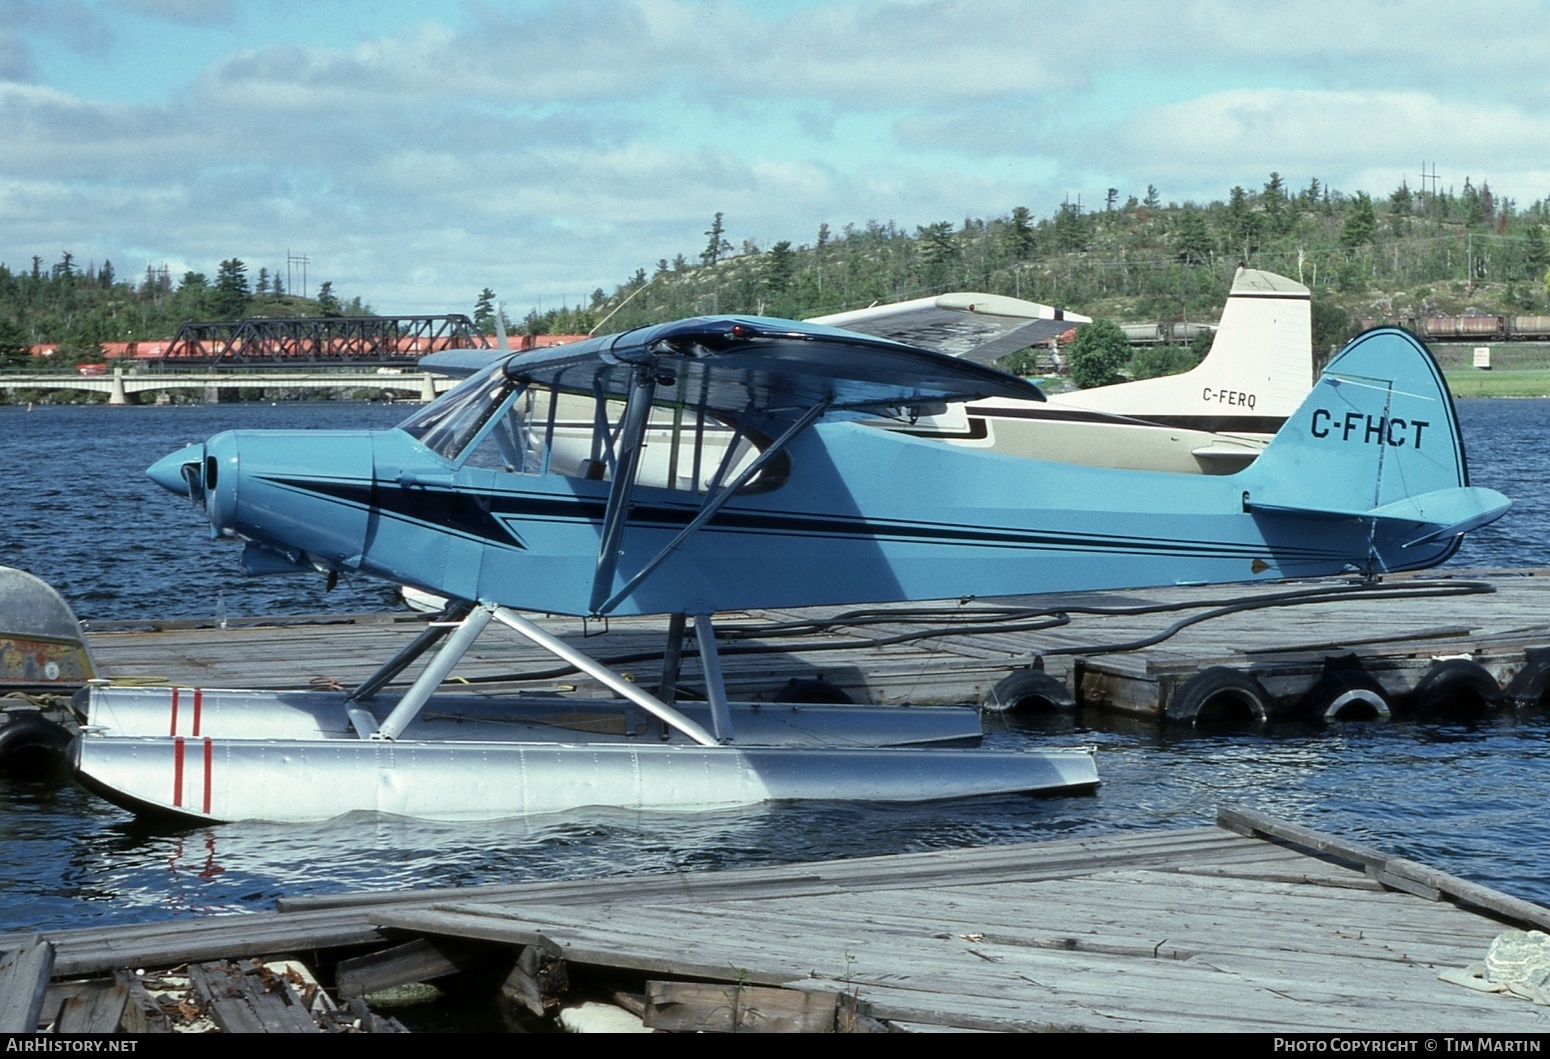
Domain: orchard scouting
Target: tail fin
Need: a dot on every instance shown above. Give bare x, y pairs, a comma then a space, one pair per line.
1258, 371
1377, 439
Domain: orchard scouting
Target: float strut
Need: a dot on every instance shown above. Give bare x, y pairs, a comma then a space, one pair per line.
715, 688
672, 658
444, 623
603, 675
430, 678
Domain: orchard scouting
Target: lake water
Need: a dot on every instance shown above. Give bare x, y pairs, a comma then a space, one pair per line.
79, 512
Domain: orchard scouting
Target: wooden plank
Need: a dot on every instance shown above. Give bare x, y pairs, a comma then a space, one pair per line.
25, 968
98, 1008
244, 999
421, 960
702, 1007
142, 1014
963, 866
1391, 870
956, 667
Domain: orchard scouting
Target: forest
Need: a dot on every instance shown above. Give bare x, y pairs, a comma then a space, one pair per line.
1409, 253
76, 306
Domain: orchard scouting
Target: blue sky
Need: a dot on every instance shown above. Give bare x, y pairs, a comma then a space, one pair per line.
417, 152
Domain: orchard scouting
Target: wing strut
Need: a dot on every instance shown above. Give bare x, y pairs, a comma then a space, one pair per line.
708, 511
632, 435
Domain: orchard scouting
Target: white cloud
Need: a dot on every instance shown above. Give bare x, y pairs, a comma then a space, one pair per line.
547, 149
1343, 137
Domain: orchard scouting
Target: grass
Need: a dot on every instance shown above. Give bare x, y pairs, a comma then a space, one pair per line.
1518, 369
1471, 382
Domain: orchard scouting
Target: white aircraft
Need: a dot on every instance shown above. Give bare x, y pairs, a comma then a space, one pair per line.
1213, 419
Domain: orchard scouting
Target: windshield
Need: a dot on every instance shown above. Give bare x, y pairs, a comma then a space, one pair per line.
448, 424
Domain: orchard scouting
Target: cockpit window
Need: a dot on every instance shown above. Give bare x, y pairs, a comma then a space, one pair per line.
448, 424
574, 435
517, 442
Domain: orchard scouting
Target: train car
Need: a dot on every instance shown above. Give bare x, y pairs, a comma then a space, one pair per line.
1531, 328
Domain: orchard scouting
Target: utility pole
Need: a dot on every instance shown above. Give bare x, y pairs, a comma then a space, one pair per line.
298, 262
1432, 177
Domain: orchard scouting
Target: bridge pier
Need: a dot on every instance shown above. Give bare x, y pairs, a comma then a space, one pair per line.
118, 395
427, 389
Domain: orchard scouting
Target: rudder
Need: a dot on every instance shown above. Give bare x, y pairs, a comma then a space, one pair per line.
1377, 438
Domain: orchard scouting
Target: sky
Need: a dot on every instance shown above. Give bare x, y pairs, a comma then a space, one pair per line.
417, 152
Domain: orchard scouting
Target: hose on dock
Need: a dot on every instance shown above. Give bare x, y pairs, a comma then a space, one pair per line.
961, 619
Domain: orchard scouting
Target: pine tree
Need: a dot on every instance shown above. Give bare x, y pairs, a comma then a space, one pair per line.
779, 267
14, 347
1535, 255
718, 244
1401, 203
1192, 237
1361, 222
1071, 229
484, 312
231, 296
1242, 223
1019, 233
1274, 202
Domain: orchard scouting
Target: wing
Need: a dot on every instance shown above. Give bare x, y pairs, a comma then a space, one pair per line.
461, 363
977, 327
780, 368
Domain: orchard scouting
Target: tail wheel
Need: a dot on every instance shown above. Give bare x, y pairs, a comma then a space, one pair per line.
1218, 695
1029, 691
1346, 695
1457, 685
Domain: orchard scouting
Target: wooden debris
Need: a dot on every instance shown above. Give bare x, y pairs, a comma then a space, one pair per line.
142, 1014
25, 969
737, 1007
421, 960
245, 997
539, 980
97, 1008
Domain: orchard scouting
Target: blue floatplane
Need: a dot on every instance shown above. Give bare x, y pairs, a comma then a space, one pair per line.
490, 497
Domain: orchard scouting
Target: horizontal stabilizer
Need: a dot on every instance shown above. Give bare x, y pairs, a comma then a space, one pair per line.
977, 327
1441, 514
1450, 511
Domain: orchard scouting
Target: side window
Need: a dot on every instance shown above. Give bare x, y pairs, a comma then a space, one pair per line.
573, 435
517, 441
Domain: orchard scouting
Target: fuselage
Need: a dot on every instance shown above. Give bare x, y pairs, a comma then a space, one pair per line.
862, 516
484, 497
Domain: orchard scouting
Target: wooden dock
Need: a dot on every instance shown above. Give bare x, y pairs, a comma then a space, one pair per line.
1253, 925
1130, 652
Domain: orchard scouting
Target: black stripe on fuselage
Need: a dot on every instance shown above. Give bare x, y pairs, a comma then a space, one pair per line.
466, 514
487, 516
1222, 424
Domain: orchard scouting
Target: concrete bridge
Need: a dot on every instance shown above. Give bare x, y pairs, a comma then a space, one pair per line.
124, 387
